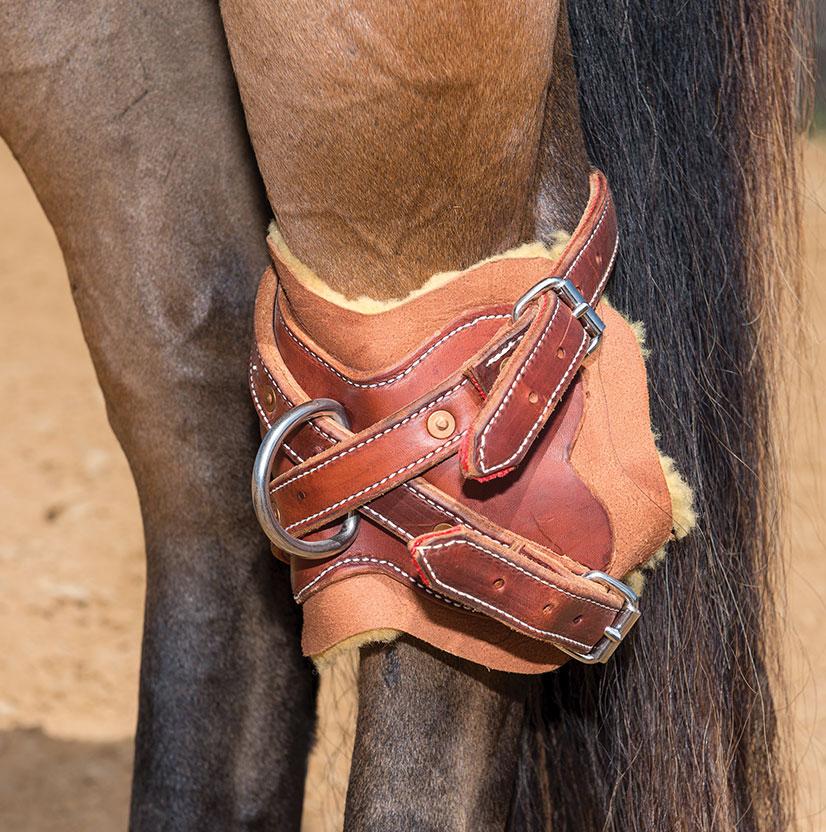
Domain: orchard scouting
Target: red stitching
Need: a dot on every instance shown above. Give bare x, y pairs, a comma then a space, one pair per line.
478, 387
464, 454
424, 579
414, 545
478, 446
503, 473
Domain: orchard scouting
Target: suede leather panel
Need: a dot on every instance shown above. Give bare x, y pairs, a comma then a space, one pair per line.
371, 602
615, 453
494, 284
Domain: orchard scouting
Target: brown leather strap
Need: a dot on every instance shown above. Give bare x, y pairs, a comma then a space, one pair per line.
555, 604
547, 358
373, 461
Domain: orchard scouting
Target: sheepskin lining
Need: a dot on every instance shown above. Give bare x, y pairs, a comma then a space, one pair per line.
372, 306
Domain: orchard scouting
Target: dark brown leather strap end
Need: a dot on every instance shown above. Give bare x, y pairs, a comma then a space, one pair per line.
545, 603
526, 392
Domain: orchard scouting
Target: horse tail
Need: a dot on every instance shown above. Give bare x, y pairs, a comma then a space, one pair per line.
694, 111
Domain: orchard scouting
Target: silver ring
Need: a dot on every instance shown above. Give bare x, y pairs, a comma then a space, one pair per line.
262, 474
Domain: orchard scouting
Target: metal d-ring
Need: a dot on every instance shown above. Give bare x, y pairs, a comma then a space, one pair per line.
262, 474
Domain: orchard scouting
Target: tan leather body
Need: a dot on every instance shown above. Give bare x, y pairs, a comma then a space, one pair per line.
477, 541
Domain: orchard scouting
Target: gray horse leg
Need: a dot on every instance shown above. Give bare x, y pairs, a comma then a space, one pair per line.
437, 742
124, 118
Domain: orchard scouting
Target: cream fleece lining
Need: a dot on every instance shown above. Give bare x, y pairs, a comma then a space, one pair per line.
372, 306
329, 657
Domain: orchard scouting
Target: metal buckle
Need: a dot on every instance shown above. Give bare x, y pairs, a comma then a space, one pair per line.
613, 635
573, 298
262, 474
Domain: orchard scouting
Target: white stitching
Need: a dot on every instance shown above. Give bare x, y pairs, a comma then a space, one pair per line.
311, 423
372, 438
289, 402
536, 424
338, 564
378, 482
383, 519
505, 350
435, 505
258, 405
549, 633
512, 565
404, 372
589, 240
514, 383
465, 524
482, 467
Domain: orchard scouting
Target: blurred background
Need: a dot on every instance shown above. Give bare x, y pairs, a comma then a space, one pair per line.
71, 560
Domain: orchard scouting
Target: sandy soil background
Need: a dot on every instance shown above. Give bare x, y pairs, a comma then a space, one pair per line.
71, 563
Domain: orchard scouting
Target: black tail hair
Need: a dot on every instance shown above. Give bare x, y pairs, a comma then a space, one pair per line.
693, 111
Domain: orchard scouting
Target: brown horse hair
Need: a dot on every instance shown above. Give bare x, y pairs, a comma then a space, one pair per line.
694, 112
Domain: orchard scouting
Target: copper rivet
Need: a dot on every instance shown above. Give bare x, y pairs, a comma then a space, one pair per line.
547, 609
441, 424
599, 259
269, 399
442, 527
533, 398
499, 583
560, 353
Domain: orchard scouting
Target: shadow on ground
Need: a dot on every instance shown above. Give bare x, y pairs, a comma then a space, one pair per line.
54, 785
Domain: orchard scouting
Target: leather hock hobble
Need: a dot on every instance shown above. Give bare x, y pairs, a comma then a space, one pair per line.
487, 490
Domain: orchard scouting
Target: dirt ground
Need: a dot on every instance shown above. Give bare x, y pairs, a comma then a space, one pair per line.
71, 563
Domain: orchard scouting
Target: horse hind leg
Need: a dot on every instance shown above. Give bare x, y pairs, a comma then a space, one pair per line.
395, 143
437, 741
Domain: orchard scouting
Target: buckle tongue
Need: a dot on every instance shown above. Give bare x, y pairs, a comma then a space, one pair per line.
612, 636
572, 298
